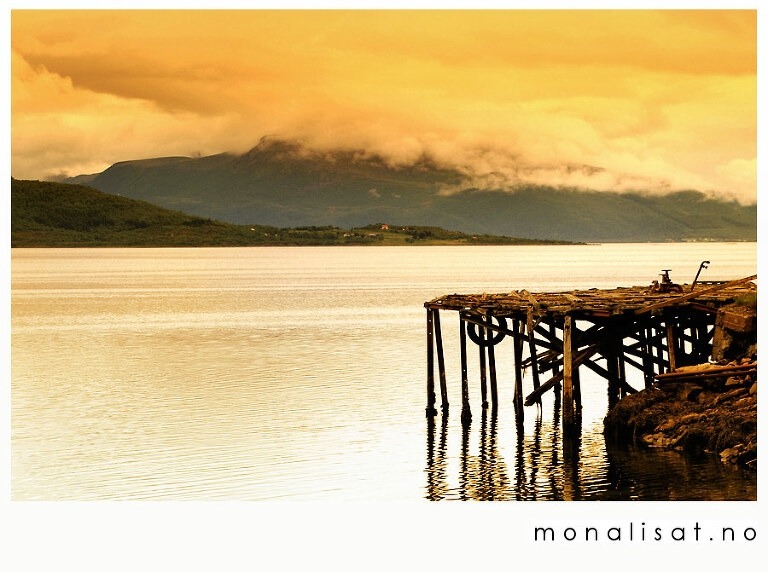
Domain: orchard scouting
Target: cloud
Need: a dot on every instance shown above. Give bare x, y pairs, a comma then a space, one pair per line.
603, 99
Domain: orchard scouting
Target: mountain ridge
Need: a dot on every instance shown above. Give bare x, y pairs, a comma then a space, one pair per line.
284, 184
48, 214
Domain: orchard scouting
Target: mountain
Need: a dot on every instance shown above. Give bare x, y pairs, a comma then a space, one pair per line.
46, 214
283, 184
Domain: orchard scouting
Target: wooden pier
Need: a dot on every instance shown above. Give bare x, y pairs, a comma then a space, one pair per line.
555, 334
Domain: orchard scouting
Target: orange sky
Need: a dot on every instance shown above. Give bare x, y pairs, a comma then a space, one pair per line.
655, 99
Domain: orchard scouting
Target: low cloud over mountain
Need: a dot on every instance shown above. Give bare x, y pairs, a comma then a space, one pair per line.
286, 184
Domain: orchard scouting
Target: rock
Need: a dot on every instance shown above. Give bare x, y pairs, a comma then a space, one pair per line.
688, 392
679, 437
731, 455
690, 418
733, 394
733, 381
667, 425
753, 389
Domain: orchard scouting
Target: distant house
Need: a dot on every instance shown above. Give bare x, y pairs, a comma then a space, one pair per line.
384, 227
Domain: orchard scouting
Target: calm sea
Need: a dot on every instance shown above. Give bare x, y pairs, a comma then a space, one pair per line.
299, 373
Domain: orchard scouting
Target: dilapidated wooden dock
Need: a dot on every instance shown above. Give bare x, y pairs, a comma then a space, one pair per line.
554, 334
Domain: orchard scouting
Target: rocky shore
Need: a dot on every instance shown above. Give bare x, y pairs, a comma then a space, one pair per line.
708, 407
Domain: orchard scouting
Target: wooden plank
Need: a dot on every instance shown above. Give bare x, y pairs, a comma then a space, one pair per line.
709, 372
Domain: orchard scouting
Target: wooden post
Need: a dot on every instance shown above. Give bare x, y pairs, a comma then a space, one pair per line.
576, 382
612, 365
567, 373
663, 364
431, 411
518, 349
466, 413
647, 357
440, 361
483, 375
671, 345
622, 369
492, 373
555, 370
532, 351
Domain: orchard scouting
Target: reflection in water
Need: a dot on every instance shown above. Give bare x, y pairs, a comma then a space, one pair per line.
549, 465
436, 484
677, 477
228, 374
571, 460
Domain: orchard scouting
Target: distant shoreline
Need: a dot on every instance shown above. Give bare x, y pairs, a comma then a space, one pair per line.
373, 245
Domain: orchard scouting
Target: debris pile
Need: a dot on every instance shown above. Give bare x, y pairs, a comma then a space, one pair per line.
709, 407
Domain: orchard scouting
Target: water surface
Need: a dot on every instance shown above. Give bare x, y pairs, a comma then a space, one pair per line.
299, 373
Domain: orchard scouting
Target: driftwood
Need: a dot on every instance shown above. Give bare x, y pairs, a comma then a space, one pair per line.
703, 374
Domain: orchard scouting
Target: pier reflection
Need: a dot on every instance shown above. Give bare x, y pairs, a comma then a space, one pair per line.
437, 486
546, 463
467, 462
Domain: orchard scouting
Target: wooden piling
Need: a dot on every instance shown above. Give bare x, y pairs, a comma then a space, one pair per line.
576, 390
568, 410
440, 361
492, 375
466, 413
483, 334
622, 371
431, 411
518, 354
671, 345
647, 357
558, 389
681, 326
532, 352
612, 365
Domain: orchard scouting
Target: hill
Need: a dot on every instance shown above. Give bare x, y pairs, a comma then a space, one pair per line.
45, 214
282, 184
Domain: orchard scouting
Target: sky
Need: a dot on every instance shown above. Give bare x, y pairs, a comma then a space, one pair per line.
607, 100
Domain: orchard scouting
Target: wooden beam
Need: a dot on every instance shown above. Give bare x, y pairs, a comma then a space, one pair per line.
510, 333
558, 377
